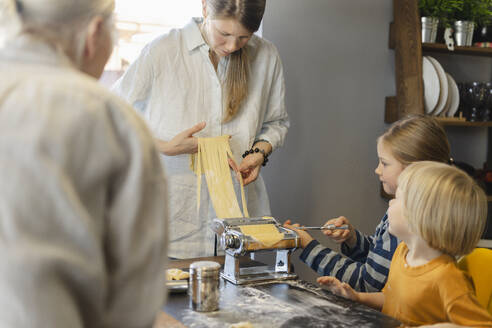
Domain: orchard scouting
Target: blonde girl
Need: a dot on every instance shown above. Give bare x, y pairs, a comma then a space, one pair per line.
439, 213
364, 260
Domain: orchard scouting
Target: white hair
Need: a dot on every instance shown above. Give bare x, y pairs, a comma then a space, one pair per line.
61, 22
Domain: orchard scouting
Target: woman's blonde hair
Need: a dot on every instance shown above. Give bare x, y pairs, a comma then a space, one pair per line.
63, 23
417, 138
444, 206
249, 13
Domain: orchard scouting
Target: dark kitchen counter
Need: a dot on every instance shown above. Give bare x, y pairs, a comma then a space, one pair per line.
292, 304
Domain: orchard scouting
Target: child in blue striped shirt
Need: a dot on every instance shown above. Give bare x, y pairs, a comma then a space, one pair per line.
364, 261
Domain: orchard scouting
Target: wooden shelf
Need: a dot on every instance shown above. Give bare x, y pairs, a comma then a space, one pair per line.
405, 38
470, 51
458, 122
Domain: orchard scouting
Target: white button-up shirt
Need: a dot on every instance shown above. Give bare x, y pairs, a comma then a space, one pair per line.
83, 207
174, 85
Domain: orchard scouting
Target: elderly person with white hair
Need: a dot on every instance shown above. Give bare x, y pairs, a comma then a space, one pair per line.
83, 210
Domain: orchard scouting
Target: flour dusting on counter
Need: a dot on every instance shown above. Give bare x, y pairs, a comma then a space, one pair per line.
281, 304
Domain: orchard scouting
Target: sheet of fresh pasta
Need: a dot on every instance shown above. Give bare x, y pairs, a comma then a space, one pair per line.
266, 234
212, 160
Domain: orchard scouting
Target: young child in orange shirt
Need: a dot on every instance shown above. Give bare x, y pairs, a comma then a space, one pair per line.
439, 213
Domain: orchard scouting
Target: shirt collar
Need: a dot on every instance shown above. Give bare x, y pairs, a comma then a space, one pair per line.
193, 36
194, 39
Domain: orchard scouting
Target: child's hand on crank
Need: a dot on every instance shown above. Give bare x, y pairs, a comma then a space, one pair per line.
303, 235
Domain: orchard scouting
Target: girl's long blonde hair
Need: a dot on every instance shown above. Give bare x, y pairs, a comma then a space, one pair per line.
249, 13
417, 138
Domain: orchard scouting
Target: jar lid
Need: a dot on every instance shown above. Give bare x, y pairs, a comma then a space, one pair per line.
204, 268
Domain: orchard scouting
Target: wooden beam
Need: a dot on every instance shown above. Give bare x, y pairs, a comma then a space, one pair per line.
391, 110
408, 58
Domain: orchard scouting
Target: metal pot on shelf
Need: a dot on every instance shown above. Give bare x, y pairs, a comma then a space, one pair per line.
463, 33
429, 29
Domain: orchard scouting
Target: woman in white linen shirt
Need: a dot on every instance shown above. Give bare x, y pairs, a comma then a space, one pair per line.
213, 77
82, 192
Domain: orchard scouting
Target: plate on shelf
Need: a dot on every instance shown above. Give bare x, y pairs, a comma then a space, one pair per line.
443, 84
453, 97
450, 96
431, 85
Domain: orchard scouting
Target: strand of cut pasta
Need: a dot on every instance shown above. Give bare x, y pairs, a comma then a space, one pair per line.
212, 159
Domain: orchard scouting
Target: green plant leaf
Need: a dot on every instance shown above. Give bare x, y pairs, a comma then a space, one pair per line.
442, 9
477, 11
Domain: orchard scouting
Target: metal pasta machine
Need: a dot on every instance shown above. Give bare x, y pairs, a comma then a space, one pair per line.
241, 247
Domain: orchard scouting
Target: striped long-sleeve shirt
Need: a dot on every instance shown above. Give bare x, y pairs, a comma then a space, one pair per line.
365, 267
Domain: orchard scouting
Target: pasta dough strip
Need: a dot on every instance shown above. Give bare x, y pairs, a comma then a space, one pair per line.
212, 159
266, 234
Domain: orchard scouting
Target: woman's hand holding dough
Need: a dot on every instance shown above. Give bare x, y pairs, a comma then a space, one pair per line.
182, 143
250, 167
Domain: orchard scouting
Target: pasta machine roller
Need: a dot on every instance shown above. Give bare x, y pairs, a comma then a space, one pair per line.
240, 249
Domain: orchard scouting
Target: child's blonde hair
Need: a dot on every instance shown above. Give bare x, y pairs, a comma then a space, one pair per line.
417, 138
444, 206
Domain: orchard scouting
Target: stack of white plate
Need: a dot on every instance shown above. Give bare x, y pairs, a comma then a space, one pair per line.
441, 94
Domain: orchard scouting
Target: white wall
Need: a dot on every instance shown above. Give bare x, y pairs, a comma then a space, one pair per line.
338, 70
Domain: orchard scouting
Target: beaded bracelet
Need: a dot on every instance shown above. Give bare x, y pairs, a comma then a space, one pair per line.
257, 150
